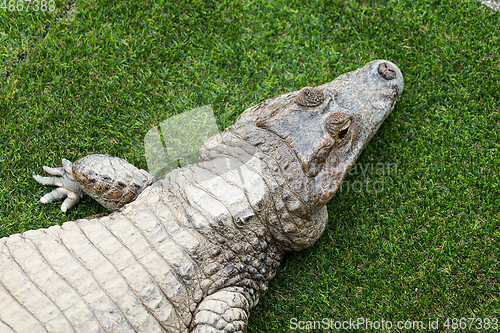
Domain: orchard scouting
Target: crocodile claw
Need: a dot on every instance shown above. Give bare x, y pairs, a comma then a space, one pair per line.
67, 187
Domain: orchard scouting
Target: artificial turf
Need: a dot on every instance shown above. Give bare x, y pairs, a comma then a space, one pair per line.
415, 232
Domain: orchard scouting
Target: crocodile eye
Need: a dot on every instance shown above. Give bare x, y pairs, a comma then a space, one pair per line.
309, 96
343, 133
338, 124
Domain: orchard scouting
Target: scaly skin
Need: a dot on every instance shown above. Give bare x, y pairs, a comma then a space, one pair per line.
111, 181
196, 250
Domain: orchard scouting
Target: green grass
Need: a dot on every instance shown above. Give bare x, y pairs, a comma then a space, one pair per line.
426, 245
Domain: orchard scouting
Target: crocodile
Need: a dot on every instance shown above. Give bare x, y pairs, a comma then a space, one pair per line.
195, 251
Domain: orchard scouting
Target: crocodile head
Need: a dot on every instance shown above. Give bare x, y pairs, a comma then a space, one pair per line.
327, 127
360, 102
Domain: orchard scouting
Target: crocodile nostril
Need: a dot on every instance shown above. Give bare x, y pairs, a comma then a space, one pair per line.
386, 71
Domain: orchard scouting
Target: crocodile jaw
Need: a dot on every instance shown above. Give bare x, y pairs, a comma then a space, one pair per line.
368, 95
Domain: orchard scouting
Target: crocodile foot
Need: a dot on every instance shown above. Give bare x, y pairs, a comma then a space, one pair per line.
67, 187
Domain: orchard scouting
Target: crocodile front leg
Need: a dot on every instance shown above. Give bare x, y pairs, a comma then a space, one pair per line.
67, 187
226, 310
111, 181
